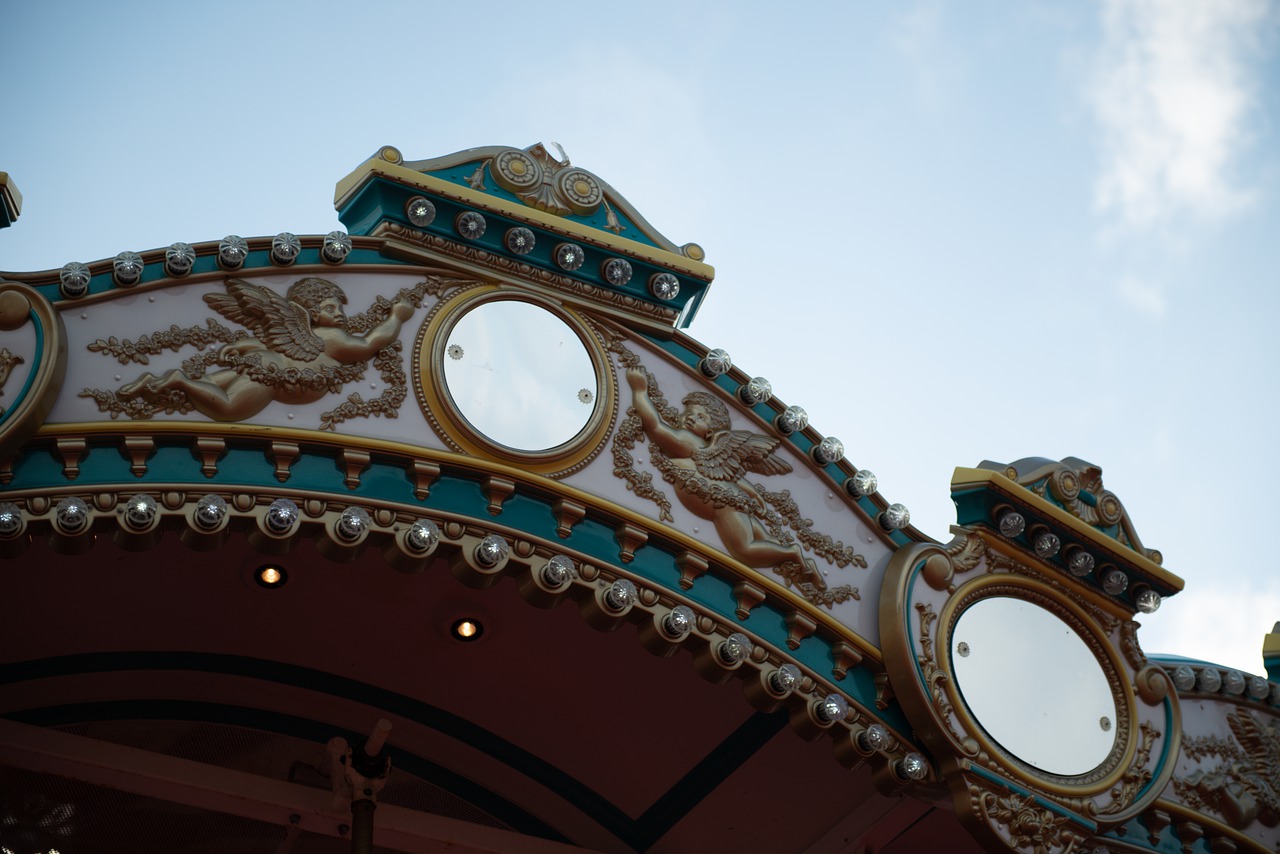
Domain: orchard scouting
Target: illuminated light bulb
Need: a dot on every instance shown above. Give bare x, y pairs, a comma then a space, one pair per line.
271, 576
467, 629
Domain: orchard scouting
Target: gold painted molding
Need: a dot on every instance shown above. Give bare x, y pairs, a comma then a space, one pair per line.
379, 168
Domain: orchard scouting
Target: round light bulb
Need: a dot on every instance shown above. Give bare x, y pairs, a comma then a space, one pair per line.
737, 647
422, 537
492, 551
282, 515
621, 595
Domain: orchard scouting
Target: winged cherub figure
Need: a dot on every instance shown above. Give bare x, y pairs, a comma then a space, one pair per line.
305, 330
711, 463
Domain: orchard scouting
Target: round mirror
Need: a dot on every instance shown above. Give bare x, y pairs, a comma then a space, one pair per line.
1035, 687
520, 375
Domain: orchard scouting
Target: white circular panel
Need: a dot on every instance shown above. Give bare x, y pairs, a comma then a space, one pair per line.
520, 375
1035, 687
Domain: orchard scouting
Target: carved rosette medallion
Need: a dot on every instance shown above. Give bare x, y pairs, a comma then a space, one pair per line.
1078, 773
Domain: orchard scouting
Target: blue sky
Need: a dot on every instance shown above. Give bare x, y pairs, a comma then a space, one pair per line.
951, 231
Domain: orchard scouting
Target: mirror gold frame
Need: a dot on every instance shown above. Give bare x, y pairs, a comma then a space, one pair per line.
452, 425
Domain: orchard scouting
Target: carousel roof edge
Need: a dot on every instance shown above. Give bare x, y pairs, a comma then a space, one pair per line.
984, 495
600, 216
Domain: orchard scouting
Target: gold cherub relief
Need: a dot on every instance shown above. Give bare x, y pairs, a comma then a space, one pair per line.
298, 348
1244, 785
697, 451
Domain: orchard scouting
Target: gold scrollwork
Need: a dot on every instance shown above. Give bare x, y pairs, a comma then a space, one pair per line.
1027, 825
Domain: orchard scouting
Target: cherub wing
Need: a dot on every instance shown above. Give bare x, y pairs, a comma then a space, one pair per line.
280, 324
1260, 744
733, 453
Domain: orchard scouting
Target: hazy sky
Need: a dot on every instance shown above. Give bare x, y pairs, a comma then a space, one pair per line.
951, 231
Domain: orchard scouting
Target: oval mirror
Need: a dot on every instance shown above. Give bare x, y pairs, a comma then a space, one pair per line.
1035, 687
520, 375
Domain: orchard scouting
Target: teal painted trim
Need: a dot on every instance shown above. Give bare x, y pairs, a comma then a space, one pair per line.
1272, 665
31, 375
1134, 833
104, 467
382, 200
1057, 809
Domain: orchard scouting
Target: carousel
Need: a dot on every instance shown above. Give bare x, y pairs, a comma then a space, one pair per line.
439, 533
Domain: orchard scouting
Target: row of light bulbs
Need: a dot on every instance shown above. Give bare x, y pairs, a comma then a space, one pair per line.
180, 258
1047, 545
1233, 683
794, 419
72, 516
519, 240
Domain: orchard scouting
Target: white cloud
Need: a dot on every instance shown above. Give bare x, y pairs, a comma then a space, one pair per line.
1224, 625
1146, 297
1173, 90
